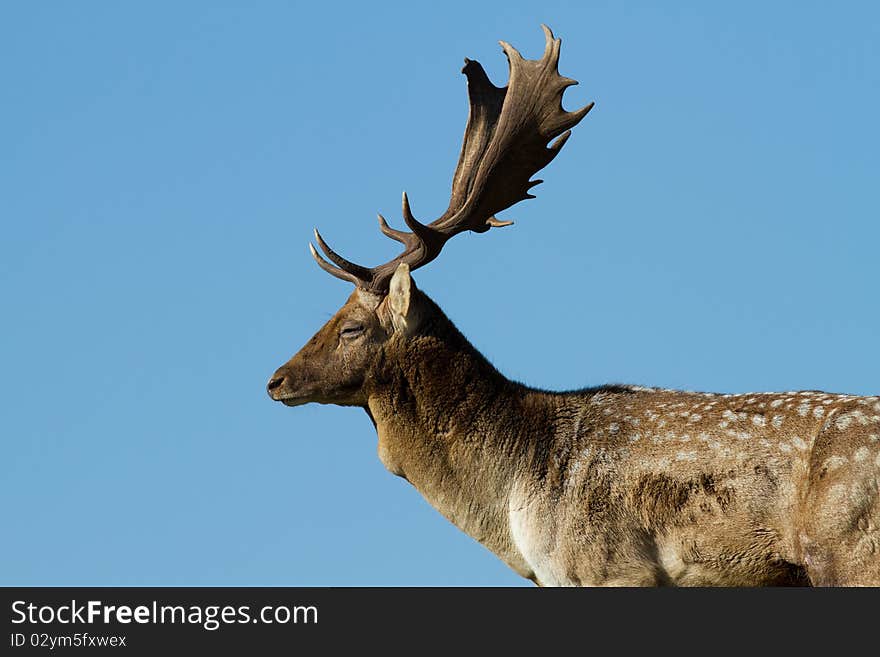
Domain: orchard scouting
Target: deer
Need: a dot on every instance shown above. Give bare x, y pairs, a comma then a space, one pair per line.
615, 485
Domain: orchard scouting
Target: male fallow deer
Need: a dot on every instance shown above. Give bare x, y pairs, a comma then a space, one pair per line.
615, 485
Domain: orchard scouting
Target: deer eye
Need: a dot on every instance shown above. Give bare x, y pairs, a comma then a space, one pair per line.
351, 330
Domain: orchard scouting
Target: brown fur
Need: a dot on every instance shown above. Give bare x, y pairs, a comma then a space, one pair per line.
619, 485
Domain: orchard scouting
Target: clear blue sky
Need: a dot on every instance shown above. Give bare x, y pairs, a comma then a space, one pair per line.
713, 224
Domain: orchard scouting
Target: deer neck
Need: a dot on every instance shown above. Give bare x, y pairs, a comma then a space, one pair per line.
453, 426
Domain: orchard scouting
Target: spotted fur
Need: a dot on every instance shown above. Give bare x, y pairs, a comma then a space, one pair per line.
616, 485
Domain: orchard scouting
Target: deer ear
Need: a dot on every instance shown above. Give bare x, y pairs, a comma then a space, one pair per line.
399, 292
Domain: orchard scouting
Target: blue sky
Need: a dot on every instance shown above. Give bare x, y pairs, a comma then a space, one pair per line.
711, 225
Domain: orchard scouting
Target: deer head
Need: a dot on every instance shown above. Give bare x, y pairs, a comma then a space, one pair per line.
506, 141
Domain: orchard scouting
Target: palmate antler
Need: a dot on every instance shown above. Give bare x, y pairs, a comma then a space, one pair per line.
505, 144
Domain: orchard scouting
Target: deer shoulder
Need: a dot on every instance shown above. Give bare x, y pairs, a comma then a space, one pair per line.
617, 485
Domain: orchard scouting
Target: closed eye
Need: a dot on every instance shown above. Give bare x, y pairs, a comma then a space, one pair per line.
351, 330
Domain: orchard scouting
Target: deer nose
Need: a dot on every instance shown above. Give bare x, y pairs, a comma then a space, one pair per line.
274, 383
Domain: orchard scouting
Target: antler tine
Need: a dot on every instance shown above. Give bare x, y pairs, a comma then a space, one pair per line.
399, 235
334, 271
419, 229
429, 238
494, 222
551, 46
507, 140
354, 269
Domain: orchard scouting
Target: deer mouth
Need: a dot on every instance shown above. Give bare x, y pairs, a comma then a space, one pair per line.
343, 396
290, 399
293, 401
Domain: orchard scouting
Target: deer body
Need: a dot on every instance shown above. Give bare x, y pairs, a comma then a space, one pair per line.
665, 487
616, 485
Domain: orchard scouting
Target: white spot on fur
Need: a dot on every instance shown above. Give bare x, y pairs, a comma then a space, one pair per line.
861, 454
798, 443
686, 456
818, 412
776, 403
843, 422
758, 420
833, 462
777, 421
803, 409
696, 417
839, 494
706, 438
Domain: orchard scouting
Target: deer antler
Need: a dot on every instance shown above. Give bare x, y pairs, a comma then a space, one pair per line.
505, 144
